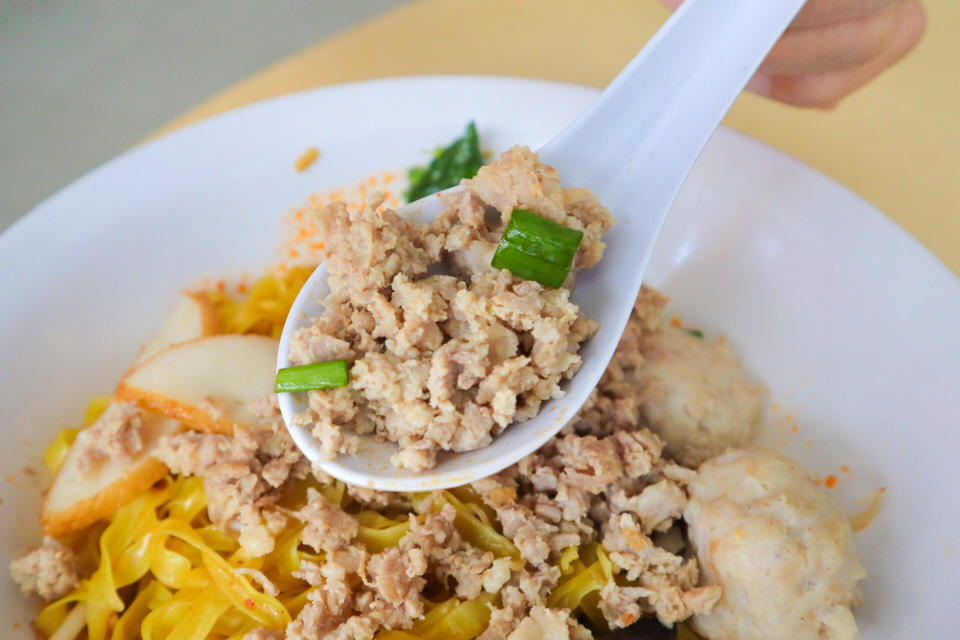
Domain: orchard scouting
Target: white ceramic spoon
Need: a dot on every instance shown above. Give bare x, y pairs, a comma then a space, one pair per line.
633, 147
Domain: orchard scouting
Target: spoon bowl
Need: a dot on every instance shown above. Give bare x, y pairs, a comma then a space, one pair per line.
633, 148
371, 466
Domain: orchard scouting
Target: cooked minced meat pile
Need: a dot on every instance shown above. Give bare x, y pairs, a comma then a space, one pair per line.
445, 362
606, 479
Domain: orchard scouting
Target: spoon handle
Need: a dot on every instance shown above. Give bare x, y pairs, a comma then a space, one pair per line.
639, 140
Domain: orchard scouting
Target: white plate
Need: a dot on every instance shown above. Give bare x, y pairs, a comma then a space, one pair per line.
852, 324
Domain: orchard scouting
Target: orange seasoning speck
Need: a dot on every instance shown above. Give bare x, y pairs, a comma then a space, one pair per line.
242, 287
293, 253
249, 603
306, 159
676, 321
794, 429
319, 246
221, 286
831, 482
845, 469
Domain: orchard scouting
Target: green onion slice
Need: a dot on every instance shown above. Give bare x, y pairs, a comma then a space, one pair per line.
319, 375
535, 248
696, 333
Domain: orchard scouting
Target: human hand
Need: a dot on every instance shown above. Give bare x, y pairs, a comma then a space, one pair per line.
834, 47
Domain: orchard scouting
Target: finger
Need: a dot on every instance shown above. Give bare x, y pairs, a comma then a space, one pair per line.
840, 45
821, 12
826, 89
817, 13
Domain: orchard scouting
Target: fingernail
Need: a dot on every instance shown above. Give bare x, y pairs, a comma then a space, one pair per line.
760, 84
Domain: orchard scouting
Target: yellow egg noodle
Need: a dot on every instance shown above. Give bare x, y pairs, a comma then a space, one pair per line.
264, 308
159, 569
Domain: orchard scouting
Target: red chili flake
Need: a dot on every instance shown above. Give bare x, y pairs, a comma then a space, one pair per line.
249, 603
831, 481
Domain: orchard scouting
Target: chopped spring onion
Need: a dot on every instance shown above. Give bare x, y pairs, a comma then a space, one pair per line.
534, 248
462, 159
319, 375
696, 333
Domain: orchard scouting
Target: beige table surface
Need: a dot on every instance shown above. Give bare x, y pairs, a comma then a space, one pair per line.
896, 142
